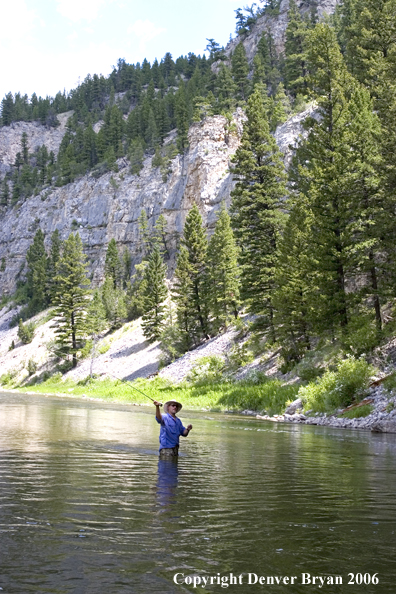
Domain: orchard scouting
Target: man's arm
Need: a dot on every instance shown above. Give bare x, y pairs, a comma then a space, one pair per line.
187, 430
158, 415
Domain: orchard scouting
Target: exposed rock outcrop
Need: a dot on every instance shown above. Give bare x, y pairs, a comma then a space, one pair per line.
10, 139
109, 206
276, 25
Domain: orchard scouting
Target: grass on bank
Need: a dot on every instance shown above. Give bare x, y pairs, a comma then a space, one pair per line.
270, 396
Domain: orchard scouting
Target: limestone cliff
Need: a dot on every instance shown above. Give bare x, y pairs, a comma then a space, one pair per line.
110, 206
10, 139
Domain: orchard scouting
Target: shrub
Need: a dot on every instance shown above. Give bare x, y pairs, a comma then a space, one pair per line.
390, 383
172, 346
32, 366
270, 397
358, 412
103, 348
86, 350
207, 369
362, 336
308, 372
340, 388
46, 375
53, 379
7, 378
239, 356
25, 331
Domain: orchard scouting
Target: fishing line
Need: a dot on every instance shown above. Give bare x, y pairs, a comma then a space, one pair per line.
128, 384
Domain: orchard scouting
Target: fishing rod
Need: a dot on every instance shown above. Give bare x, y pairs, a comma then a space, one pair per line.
128, 384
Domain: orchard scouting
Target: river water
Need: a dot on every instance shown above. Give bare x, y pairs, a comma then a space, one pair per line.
87, 507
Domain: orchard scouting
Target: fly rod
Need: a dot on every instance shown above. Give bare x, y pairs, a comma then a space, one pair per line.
128, 384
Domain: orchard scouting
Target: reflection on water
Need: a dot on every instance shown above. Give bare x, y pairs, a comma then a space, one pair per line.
167, 482
86, 506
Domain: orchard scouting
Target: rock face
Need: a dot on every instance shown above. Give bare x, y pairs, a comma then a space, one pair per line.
384, 427
110, 206
274, 24
100, 209
10, 139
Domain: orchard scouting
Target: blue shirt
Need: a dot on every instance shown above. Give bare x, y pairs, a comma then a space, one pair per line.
171, 429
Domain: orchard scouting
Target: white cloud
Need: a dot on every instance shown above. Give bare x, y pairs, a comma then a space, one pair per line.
47, 73
77, 10
145, 31
17, 20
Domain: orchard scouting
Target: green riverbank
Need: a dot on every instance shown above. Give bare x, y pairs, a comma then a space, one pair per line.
270, 396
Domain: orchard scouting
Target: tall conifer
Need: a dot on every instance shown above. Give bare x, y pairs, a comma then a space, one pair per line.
323, 164
154, 296
256, 215
240, 70
113, 266
223, 275
71, 299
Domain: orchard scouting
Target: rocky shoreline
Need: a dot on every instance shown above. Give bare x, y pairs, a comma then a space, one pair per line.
382, 419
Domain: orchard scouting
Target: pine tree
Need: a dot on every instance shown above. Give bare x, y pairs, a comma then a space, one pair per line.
25, 148
296, 72
25, 332
136, 156
113, 267
36, 280
293, 283
160, 235
71, 299
267, 51
373, 229
126, 267
182, 291
372, 43
281, 108
135, 292
195, 241
223, 274
114, 303
52, 264
182, 120
324, 160
145, 242
154, 296
5, 193
256, 215
259, 77
240, 70
225, 89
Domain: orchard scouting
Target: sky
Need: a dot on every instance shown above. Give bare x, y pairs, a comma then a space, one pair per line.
51, 45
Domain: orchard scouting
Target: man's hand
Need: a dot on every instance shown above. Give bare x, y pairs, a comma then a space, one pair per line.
157, 410
189, 427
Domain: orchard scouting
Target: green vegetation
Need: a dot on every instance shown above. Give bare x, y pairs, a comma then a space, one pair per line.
338, 389
270, 397
358, 412
26, 332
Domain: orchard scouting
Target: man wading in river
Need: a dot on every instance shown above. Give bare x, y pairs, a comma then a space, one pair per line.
171, 428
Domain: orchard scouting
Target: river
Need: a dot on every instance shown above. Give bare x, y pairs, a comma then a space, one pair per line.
87, 507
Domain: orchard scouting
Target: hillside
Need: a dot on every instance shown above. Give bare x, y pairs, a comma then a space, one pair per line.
154, 209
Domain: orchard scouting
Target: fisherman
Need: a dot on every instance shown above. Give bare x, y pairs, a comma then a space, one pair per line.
171, 428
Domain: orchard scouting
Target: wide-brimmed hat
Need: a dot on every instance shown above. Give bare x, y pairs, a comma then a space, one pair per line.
179, 406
